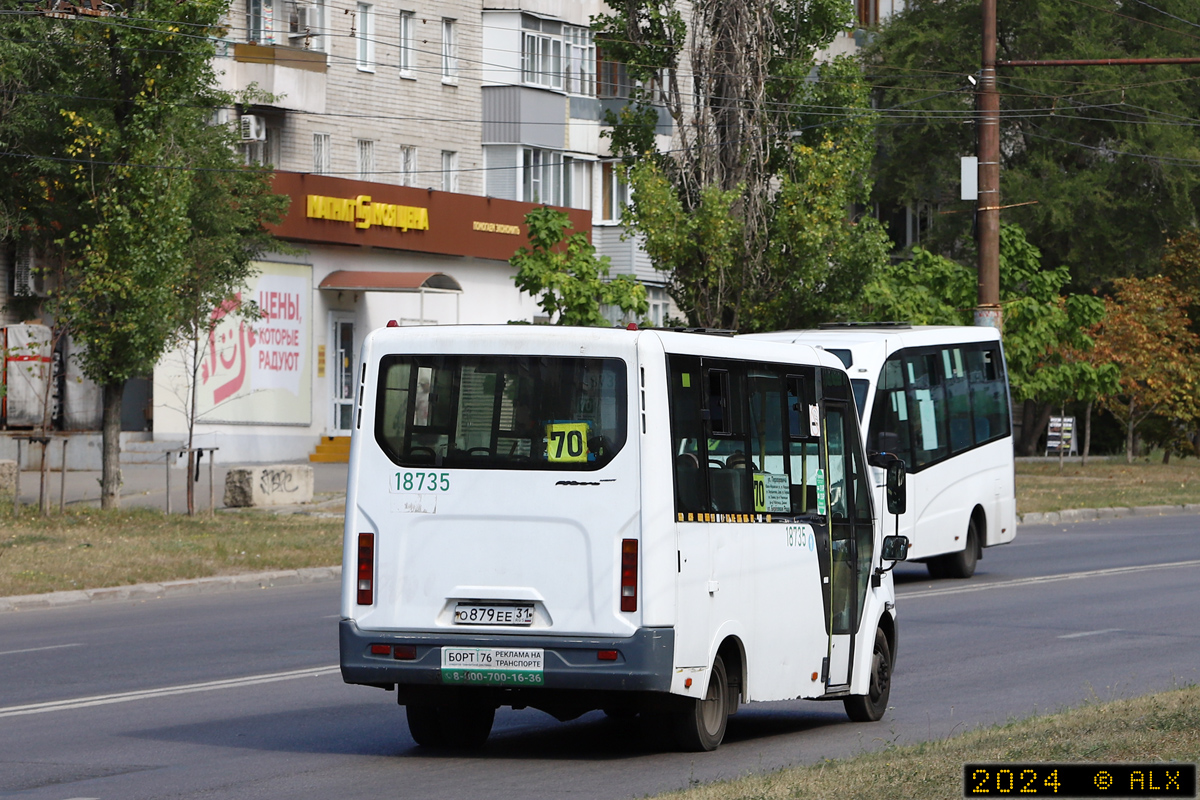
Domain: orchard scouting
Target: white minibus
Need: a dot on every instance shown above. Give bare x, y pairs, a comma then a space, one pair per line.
644, 522
936, 397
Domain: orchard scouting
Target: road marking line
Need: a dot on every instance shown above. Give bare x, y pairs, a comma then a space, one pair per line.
40, 649
166, 691
1089, 633
1067, 576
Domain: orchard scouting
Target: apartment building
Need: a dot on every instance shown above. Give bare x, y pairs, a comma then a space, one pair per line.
412, 138
372, 115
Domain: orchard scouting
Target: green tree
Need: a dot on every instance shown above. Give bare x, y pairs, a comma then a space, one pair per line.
114, 157
924, 289
748, 211
566, 275
1103, 154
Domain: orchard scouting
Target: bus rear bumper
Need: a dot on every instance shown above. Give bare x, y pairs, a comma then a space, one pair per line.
643, 663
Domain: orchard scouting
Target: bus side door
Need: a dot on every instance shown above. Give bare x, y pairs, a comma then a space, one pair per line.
852, 533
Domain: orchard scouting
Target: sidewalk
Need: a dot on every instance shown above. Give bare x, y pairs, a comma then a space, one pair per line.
145, 486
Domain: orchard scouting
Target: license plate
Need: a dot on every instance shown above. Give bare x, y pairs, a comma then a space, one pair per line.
492, 666
478, 614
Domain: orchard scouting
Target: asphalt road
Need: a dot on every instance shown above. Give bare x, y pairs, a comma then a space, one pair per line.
237, 695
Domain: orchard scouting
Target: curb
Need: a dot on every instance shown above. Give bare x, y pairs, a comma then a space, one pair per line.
151, 591
1089, 514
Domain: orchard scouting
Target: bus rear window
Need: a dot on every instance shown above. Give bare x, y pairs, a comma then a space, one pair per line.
501, 412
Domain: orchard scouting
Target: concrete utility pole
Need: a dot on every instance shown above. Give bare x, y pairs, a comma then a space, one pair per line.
987, 210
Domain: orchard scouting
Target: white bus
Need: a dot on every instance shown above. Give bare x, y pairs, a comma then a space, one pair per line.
937, 397
572, 519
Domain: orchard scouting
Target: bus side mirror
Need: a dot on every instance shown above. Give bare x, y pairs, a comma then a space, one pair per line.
895, 548
897, 497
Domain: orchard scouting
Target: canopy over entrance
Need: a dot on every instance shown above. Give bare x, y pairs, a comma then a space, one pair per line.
366, 281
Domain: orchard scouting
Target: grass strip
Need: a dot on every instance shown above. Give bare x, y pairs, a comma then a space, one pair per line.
87, 548
1106, 484
1163, 727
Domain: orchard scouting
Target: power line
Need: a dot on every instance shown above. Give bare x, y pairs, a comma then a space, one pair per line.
1168, 14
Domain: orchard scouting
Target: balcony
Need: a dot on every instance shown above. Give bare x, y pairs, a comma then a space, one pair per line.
296, 77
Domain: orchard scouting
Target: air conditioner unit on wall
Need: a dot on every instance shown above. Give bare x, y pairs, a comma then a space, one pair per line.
254, 128
298, 22
27, 274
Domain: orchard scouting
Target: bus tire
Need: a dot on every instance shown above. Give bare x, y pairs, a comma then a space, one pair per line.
961, 564
700, 725
465, 727
869, 707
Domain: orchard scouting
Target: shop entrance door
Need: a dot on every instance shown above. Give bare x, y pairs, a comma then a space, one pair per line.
342, 348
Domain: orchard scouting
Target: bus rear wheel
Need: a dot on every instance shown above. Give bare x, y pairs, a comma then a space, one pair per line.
870, 706
464, 727
961, 564
700, 725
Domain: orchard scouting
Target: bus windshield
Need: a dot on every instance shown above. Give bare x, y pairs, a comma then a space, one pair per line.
501, 412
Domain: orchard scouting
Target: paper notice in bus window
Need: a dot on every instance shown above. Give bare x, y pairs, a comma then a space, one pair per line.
814, 422
929, 439
821, 497
566, 442
772, 493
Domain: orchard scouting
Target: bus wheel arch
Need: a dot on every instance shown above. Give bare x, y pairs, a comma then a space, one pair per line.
733, 653
887, 624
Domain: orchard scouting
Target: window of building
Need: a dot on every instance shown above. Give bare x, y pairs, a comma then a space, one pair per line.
322, 155
542, 179
614, 192
868, 12
408, 165
306, 24
577, 183
366, 159
612, 80
541, 53
365, 35
407, 51
263, 153
449, 51
449, 171
260, 21
580, 61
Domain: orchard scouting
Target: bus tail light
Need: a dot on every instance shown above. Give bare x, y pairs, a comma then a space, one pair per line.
366, 569
629, 567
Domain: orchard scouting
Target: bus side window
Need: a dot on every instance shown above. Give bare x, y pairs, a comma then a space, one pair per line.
958, 399
803, 461
988, 396
926, 408
687, 435
767, 433
730, 487
836, 473
889, 431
